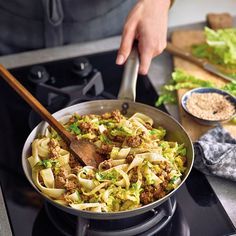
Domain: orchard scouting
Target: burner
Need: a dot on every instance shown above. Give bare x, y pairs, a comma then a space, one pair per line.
148, 223
177, 226
54, 98
52, 95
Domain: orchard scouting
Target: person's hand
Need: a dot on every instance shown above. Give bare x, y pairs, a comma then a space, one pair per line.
147, 22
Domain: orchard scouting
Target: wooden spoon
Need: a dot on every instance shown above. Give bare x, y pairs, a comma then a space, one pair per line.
84, 150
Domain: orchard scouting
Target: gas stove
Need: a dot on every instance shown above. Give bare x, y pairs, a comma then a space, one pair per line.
194, 209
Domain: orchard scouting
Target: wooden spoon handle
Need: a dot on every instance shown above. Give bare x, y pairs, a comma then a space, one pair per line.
183, 54
35, 104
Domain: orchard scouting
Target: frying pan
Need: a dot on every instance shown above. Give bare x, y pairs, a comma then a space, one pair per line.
127, 105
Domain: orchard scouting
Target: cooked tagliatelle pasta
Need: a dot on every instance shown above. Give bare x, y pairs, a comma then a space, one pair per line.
139, 166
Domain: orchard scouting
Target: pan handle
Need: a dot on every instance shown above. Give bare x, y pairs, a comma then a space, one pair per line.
129, 79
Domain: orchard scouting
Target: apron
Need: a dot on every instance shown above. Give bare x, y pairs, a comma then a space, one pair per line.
32, 24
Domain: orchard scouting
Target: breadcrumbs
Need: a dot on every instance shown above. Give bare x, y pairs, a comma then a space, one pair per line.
210, 106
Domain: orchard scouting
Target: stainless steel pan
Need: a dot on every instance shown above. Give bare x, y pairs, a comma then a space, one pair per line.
125, 103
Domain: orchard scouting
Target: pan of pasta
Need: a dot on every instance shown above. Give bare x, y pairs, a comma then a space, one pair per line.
147, 156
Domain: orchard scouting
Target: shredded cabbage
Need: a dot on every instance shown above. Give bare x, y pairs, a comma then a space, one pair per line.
219, 49
182, 80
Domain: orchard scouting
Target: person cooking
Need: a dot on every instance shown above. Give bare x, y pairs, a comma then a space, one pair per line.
33, 24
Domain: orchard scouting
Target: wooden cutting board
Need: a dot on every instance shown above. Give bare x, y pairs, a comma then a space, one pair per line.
184, 40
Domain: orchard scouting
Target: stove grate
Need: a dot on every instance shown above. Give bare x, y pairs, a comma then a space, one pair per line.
145, 224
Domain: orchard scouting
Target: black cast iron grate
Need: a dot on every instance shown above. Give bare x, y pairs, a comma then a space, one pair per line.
55, 98
148, 223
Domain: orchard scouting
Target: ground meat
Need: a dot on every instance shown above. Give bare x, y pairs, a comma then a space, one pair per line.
168, 168
164, 184
116, 115
72, 120
105, 165
134, 177
53, 154
76, 169
159, 193
147, 195
54, 148
130, 158
134, 141
59, 182
116, 144
85, 127
151, 194
60, 178
63, 145
63, 172
107, 133
167, 178
118, 138
53, 143
71, 184
73, 162
105, 149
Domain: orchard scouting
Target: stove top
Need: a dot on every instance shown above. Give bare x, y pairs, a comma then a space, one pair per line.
196, 209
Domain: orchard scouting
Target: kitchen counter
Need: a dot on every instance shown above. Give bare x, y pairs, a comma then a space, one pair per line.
159, 73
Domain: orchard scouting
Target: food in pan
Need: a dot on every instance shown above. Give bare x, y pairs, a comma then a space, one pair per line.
139, 165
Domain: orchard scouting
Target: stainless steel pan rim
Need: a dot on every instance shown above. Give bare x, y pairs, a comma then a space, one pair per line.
101, 106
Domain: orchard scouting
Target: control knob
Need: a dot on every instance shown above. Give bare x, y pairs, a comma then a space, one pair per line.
38, 74
81, 67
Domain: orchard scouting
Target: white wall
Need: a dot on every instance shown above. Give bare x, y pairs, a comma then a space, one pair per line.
190, 11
